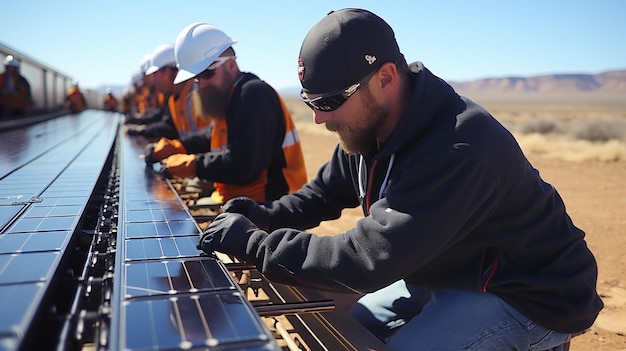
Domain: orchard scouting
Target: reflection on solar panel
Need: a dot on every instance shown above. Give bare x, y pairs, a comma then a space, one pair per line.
44, 188
169, 297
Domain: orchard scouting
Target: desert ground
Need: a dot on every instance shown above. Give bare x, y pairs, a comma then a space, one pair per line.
590, 177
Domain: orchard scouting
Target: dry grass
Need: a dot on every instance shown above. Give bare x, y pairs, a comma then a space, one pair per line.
567, 149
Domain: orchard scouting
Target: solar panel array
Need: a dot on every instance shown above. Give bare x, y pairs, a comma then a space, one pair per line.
166, 294
47, 175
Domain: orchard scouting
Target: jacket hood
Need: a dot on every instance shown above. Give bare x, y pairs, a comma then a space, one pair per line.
430, 94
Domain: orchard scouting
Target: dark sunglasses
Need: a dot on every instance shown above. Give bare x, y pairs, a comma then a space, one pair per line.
334, 100
209, 72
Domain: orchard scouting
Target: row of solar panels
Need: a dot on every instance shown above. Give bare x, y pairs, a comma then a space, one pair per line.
47, 174
165, 295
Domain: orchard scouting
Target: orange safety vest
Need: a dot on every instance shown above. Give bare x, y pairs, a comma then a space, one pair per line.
110, 103
75, 100
294, 172
160, 100
142, 99
129, 102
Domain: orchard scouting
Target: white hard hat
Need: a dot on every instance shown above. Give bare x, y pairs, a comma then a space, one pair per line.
196, 47
145, 63
162, 56
11, 61
136, 77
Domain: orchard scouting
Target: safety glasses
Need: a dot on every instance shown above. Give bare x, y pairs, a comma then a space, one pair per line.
334, 100
209, 72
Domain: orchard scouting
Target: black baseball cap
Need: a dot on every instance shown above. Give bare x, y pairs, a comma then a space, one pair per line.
344, 47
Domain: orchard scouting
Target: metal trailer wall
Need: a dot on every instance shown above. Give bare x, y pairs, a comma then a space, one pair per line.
48, 85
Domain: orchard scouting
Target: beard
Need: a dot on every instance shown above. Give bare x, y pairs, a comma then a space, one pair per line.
212, 102
360, 137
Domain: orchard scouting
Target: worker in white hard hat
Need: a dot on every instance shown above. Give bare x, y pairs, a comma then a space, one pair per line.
75, 99
110, 101
253, 149
145, 103
15, 94
178, 117
152, 100
131, 99
157, 122
135, 104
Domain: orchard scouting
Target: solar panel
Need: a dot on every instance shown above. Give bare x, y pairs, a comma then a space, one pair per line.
192, 321
168, 294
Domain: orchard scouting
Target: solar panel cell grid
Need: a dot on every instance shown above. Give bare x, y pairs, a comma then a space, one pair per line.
171, 297
160, 248
32, 242
160, 229
174, 277
222, 319
27, 267
41, 224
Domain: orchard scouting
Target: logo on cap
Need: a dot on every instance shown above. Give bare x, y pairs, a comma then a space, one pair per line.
370, 59
300, 69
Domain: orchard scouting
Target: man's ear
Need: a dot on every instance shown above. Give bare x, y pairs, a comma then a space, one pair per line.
387, 74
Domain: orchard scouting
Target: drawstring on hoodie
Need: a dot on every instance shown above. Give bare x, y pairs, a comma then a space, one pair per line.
362, 179
366, 196
384, 185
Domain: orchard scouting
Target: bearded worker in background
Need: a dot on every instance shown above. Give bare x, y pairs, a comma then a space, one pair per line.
253, 148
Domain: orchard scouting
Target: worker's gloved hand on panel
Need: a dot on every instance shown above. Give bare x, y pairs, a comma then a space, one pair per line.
254, 211
228, 233
179, 165
164, 148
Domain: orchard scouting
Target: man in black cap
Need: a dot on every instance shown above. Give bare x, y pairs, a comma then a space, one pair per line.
462, 246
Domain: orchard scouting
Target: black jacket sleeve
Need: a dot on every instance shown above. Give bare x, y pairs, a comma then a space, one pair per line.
254, 132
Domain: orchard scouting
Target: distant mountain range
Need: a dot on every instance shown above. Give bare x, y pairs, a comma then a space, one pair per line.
609, 87
606, 87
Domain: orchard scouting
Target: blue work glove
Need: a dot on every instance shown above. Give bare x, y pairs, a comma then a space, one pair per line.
254, 211
228, 233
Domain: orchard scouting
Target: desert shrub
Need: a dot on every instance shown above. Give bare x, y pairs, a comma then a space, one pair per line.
541, 126
600, 130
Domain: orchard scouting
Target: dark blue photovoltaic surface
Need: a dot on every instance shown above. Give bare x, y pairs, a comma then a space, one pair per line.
170, 295
166, 295
46, 180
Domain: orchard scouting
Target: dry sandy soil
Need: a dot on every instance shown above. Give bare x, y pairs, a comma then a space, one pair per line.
593, 188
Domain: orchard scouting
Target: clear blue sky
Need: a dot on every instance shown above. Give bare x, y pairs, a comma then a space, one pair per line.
102, 42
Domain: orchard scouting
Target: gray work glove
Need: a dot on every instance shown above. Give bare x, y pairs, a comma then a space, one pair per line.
254, 211
228, 233
148, 154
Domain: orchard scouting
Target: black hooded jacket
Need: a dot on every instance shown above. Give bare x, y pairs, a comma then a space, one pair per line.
450, 202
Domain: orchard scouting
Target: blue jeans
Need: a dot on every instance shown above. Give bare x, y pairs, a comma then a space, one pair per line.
434, 319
